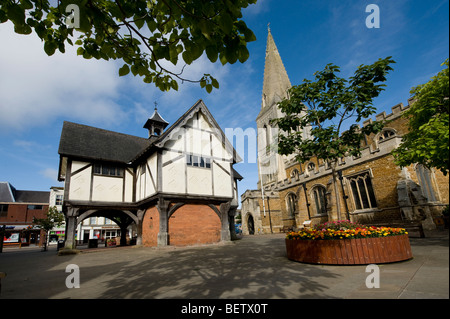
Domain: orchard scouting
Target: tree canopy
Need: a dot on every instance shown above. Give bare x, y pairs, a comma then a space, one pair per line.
324, 105
321, 108
141, 33
427, 141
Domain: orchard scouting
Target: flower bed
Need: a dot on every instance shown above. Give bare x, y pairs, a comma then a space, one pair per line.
343, 242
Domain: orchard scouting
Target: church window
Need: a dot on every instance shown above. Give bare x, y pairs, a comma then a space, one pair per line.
267, 132
291, 204
362, 191
424, 176
385, 134
311, 167
295, 173
320, 200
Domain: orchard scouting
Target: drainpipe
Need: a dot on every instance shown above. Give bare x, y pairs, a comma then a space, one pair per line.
306, 198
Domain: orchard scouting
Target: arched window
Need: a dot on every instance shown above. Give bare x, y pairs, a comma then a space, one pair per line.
385, 134
424, 177
320, 199
267, 136
295, 173
362, 191
311, 167
291, 204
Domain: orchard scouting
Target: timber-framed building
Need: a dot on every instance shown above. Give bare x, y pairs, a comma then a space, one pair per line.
177, 187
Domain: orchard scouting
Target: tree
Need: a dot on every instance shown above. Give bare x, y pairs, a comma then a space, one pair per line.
427, 141
323, 106
54, 219
142, 33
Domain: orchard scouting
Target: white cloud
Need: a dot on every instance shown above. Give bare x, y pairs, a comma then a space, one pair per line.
36, 88
49, 173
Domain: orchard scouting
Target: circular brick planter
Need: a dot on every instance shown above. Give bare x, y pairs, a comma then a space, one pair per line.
358, 251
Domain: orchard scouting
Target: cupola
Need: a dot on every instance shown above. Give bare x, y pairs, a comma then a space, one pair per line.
155, 124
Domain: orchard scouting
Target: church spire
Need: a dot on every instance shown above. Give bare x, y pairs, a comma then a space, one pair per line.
276, 81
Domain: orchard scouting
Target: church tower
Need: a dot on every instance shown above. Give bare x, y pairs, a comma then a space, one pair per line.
275, 88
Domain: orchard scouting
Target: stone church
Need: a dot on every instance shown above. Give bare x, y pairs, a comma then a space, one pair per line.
372, 189
176, 187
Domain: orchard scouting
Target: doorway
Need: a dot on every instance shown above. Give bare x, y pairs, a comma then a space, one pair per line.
250, 225
86, 235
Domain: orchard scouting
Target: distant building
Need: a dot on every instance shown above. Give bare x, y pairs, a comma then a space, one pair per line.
372, 189
17, 210
176, 187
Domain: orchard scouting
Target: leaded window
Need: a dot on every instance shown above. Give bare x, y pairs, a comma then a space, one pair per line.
362, 191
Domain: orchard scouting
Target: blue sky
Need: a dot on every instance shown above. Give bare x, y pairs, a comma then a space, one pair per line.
38, 93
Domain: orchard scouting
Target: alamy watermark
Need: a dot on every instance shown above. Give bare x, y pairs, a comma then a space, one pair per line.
373, 279
373, 19
73, 280
73, 20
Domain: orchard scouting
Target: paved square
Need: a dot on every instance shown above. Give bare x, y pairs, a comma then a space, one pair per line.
254, 267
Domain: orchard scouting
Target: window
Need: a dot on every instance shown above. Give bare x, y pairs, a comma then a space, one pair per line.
424, 176
295, 174
34, 207
385, 134
59, 199
311, 167
362, 191
107, 170
198, 161
3, 210
267, 133
93, 220
291, 204
320, 200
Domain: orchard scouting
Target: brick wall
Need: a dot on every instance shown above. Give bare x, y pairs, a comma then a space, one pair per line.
19, 213
189, 225
150, 227
194, 224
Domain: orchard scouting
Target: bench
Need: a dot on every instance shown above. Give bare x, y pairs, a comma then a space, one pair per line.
409, 226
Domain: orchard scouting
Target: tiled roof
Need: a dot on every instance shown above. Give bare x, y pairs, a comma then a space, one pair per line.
89, 142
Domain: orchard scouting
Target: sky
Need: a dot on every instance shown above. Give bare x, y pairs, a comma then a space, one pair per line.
38, 93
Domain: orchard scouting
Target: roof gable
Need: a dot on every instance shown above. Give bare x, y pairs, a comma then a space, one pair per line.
199, 106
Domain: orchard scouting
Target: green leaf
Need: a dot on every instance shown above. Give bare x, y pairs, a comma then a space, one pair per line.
187, 57
226, 23
139, 22
49, 47
215, 83
124, 70
243, 54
